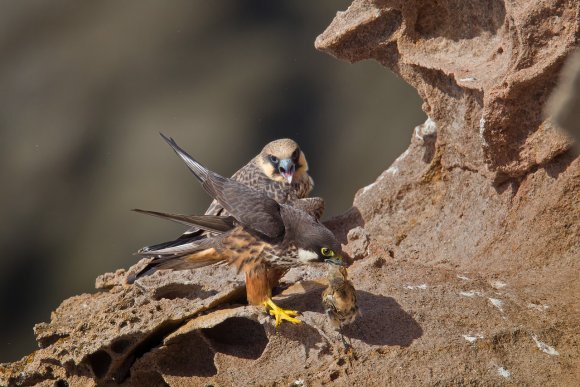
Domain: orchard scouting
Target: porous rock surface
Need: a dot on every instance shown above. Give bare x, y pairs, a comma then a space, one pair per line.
466, 248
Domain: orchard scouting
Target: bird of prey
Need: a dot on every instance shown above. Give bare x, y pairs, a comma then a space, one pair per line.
259, 235
339, 299
281, 171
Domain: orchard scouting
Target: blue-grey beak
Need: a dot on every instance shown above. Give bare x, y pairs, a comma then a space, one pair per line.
287, 168
336, 260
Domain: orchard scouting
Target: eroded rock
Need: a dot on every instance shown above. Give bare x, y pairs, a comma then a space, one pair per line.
100, 335
465, 248
484, 70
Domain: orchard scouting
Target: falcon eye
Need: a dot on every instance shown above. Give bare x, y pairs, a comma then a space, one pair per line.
295, 154
325, 251
273, 159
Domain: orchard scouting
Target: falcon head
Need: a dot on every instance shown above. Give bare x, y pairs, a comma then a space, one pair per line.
283, 161
316, 243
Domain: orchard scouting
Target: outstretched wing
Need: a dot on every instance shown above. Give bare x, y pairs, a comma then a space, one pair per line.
248, 206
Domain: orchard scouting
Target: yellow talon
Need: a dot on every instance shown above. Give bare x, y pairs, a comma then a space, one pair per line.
281, 314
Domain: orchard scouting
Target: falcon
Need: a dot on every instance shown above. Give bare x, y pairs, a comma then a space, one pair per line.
260, 237
281, 171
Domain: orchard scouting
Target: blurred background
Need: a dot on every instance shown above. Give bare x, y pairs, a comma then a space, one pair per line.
85, 87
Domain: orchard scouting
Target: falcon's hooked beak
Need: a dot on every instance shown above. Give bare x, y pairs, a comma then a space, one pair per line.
287, 168
336, 260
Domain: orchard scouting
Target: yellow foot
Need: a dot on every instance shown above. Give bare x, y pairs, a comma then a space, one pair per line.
281, 314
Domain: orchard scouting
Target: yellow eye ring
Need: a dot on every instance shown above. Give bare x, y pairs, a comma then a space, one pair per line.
325, 251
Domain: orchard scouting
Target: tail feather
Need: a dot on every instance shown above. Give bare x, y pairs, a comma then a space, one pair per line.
184, 262
182, 249
205, 222
188, 239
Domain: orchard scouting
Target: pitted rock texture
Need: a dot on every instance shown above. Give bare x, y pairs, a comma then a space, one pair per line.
99, 336
483, 68
465, 249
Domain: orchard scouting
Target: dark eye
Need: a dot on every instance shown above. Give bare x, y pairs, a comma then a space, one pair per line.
325, 251
295, 154
273, 159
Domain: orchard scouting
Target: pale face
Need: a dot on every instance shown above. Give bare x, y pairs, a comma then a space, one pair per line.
283, 161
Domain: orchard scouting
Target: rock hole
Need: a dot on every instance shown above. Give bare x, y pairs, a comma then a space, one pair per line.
187, 355
334, 375
61, 383
99, 362
238, 336
379, 262
47, 341
119, 346
154, 339
189, 291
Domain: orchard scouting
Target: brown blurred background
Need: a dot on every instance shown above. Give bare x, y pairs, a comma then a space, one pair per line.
85, 87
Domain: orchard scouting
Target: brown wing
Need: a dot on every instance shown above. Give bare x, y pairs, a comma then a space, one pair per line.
312, 206
248, 206
245, 175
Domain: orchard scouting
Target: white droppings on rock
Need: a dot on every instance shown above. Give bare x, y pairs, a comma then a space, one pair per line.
482, 129
468, 79
463, 277
498, 284
425, 129
540, 307
392, 170
470, 293
412, 287
545, 347
503, 372
472, 338
497, 303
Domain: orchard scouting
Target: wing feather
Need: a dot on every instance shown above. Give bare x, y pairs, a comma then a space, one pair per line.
250, 207
205, 222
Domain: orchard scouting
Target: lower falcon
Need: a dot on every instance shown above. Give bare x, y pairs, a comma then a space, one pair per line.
260, 234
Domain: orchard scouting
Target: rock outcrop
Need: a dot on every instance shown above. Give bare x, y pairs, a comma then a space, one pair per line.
466, 248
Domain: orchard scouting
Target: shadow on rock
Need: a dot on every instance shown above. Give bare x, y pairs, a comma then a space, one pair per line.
304, 334
309, 300
340, 225
237, 336
382, 322
176, 290
191, 355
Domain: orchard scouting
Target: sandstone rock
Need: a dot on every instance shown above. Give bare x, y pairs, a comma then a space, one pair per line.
466, 248
358, 243
484, 69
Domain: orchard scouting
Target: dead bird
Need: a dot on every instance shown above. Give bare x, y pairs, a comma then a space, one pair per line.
339, 300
